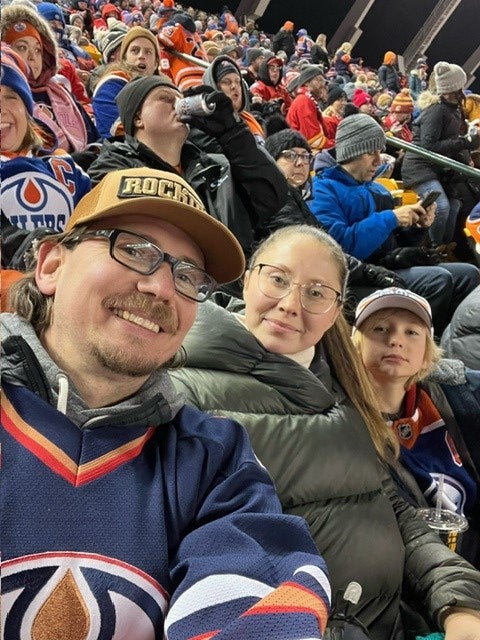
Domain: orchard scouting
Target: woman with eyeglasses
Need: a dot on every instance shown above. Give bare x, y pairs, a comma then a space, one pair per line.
283, 365
293, 156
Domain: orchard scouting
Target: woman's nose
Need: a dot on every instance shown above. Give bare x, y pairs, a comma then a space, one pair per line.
292, 301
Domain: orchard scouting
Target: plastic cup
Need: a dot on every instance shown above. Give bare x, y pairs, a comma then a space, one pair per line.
447, 524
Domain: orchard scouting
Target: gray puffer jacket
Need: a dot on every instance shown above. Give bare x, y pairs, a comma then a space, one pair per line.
461, 339
315, 445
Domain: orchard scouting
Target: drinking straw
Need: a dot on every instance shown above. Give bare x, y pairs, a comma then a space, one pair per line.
438, 508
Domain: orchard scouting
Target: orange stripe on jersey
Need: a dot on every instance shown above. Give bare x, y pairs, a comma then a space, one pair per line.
58, 461
291, 597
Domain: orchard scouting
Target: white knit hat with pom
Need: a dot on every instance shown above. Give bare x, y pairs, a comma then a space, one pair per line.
449, 77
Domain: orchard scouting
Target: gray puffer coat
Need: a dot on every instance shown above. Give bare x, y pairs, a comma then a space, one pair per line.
315, 445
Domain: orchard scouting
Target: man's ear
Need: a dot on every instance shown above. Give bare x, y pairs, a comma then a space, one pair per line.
138, 121
246, 279
49, 262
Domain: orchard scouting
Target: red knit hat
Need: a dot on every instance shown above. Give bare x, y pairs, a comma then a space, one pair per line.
402, 103
361, 97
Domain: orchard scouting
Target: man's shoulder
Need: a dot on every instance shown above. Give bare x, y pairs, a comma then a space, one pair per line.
213, 431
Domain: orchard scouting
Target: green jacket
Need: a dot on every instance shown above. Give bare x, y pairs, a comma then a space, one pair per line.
315, 445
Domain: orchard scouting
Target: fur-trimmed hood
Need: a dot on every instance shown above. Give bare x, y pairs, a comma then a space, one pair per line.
426, 99
19, 12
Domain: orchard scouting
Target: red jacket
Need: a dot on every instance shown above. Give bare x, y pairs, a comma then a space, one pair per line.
305, 116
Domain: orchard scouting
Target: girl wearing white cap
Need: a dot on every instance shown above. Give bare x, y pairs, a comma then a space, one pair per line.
393, 334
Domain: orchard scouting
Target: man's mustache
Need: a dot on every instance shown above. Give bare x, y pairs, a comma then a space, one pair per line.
143, 306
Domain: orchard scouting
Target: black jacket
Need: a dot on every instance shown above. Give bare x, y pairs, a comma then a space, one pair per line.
284, 41
388, 78
242, 187
437, 129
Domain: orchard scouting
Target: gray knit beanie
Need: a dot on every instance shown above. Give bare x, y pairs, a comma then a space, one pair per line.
356, 135
130, 98
309, 72
449, 77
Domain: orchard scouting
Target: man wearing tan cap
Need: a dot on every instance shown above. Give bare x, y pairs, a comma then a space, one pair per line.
126, 513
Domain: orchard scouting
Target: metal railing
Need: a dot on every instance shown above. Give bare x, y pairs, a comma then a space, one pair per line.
464, 169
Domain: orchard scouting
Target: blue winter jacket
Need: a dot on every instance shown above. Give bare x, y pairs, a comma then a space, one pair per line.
358, 215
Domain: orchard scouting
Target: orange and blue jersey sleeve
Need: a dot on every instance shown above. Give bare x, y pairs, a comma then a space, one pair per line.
247, 571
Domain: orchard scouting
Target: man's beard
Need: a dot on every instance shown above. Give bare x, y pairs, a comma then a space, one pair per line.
126, 361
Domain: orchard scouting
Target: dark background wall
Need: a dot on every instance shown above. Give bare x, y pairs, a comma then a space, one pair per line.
389, 25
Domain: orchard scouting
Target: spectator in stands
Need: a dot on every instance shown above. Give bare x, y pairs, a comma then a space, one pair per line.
31, 36
360, 214
397, 121
393, 334
305, 113
253, 59
283, 364
304, 45
269, 86
335, 106
189, 538
440, 128
139, 56
284, 39
388, 74
417, 78
363, 101
319, 53
38, 191
343, 60
224, 75
244, 187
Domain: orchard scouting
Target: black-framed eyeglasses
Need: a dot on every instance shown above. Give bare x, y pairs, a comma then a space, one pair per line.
315, 297
294, 157
142, 256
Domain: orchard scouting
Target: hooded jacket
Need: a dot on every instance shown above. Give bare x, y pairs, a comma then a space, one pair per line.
244, 113
436, 129
63, 114
264, 88
317, 448
142, 519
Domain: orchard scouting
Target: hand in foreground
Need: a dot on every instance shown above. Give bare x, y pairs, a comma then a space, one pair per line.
427, 216
221, 120
462, 624
408, 215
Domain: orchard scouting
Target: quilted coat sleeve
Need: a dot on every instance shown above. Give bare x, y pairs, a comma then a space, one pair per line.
435, 577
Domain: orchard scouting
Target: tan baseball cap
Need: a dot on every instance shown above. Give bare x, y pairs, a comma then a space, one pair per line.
168, 197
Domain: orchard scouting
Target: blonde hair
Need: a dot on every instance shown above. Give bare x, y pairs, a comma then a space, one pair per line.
433, 353
33, 138
341, 354
345, 46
